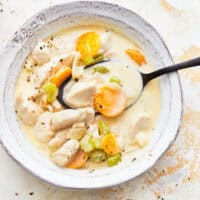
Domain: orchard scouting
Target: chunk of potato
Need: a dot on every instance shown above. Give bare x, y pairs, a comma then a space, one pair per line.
141, 139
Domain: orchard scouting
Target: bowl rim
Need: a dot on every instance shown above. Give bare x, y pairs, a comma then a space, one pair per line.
16, 46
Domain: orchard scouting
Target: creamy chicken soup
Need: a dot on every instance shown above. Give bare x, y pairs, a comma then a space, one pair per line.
87, 124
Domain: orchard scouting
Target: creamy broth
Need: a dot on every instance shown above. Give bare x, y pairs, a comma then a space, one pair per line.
148, 105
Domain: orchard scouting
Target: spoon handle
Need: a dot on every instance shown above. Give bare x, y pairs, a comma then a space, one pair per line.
172, 68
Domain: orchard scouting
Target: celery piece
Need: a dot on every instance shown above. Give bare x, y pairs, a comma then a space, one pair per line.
51, 91
115, 80
94, 60
89, 61
87, 143
97, 156
103, 128
97, 142
114, 160
98, 58
101, 69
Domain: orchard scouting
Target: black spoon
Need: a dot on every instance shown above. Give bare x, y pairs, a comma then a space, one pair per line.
172, 68
145, 77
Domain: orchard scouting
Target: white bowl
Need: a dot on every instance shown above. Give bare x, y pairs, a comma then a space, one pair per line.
51, 20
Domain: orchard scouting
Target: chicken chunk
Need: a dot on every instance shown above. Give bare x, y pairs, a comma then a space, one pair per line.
65, 153
27, 110
105, 42
77, 131
66, 118
42, 53
77, 71
141, 139
63, 44
93, 129
68, 60
45, 71
81, 94
29, 63
142, 123
43, 130
59, 139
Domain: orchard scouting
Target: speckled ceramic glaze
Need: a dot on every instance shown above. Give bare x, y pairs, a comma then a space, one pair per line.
67, 15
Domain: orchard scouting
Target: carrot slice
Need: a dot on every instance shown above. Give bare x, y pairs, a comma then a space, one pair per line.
79, 160
109, 144
137, 56
88, 44
110, 101
61, 75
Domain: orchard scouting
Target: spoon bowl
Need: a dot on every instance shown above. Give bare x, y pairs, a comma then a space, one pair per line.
140, 79
132, 81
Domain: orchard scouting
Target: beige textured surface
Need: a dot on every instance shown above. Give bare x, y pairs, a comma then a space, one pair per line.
177, 174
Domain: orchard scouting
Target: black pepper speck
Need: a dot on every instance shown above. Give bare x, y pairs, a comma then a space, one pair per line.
133, 159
